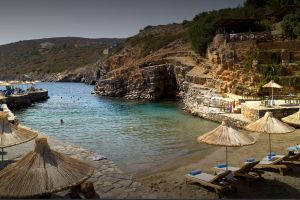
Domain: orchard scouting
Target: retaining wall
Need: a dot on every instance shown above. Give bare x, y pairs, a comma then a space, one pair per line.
255, 114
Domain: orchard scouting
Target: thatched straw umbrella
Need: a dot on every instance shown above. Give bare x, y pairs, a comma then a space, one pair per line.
269, 125
42, 172
4, 83
228, 136
15, 82
11, 135
293, 119
272, 85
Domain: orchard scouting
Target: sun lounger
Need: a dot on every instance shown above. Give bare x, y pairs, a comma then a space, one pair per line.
217, 182
246, 170
275, 162
293, 155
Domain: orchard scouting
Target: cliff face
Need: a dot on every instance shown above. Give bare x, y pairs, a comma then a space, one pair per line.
153, 77
155, 80
174, 71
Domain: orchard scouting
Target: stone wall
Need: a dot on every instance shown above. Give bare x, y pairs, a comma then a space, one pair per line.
293, 45
197, 102
252, 114
279, 113
218, 117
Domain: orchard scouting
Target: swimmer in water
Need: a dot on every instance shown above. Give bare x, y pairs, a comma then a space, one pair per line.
62, 122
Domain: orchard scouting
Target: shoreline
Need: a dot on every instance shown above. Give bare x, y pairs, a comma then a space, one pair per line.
108, 179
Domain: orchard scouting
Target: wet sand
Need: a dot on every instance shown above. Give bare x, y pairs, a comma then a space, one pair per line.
168, 181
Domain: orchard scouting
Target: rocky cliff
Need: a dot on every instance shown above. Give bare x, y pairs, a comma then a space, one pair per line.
158, 75
173, 70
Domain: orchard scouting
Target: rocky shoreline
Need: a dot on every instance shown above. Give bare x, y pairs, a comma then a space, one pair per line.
108, 179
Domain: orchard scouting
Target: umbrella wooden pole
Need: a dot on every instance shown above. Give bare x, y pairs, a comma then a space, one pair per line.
272, 98
270, 145
226, 159
2, 133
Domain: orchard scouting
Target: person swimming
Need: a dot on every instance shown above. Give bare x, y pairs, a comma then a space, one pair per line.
62, 122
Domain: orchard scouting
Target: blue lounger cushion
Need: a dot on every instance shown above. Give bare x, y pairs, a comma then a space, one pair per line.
294, 148
272, 154
249, 160
195, 172
221, 165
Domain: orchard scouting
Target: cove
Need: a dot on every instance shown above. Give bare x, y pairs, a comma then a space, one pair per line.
135, 135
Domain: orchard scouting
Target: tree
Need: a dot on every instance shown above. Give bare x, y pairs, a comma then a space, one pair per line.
297, 31
256, 3
273, 5
289, 23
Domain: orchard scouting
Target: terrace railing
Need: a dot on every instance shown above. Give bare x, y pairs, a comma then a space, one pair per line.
255, 36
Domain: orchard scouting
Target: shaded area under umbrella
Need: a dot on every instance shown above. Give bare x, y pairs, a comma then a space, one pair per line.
227, 136
269, 125
42, 172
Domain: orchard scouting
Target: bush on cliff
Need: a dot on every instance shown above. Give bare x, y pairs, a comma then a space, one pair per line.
203, 27
291, 25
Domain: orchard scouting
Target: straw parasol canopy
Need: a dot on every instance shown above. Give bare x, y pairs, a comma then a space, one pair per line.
228, 136
11, 135
14, 82
42, 172
4, 83
272, 85
293, 119
28, 82
270, 125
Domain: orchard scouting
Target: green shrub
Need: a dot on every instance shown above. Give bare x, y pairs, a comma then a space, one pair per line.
290, 26
249, 59
276, 58
296, 31
272, 72
203, 27
153, 43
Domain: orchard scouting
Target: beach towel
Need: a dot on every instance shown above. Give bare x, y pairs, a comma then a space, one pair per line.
250, 160
221, 165
195, 172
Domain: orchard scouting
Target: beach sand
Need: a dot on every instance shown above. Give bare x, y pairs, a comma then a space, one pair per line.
167, 181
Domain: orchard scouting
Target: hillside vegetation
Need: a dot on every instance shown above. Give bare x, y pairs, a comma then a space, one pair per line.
204, 25
53, 55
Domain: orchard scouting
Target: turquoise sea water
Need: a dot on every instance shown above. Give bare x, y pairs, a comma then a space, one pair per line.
135, 135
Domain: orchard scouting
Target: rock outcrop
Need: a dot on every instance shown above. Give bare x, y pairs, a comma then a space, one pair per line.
155, 80
156, 76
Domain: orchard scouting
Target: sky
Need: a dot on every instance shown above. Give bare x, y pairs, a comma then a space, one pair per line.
34, 19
